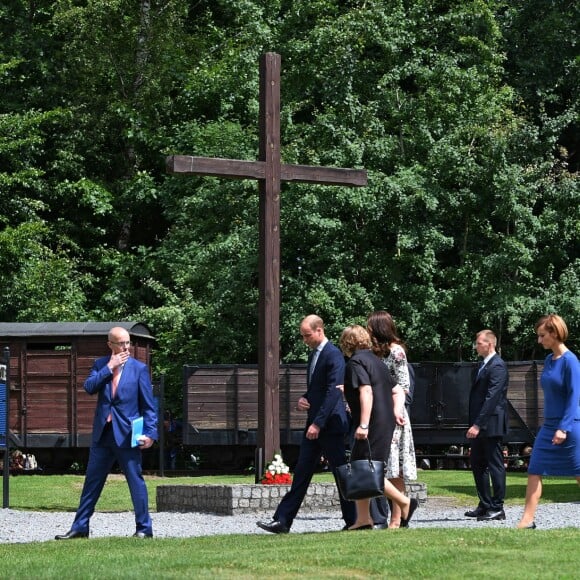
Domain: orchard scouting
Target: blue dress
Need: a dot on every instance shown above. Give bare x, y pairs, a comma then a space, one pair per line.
561, 385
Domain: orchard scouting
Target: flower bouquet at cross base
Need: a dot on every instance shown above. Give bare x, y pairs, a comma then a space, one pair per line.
277, 472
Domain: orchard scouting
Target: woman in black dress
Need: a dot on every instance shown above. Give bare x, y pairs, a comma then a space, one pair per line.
368, 388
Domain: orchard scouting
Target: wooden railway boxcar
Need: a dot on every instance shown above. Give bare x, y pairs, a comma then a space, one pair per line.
439, 413
49, 410
220, 408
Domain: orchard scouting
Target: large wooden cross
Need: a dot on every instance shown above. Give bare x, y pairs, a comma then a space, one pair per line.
269, 171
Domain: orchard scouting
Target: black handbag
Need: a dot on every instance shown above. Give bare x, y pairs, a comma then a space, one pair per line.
362, 478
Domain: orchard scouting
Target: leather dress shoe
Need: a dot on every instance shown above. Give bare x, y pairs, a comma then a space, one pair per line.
478, 511
142, 535
72, 535
413, 505
274, 527
383, 526
490, 515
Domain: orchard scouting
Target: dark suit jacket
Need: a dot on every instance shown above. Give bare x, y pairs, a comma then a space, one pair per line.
488, 406
327, 408
134, 398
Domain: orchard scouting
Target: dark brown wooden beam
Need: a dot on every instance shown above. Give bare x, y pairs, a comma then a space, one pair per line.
324, 175
269, 259
217, 167
237, 169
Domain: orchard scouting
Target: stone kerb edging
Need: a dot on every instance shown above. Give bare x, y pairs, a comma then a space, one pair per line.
237, 499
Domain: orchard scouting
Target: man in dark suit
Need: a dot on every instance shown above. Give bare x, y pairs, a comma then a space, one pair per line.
326, 426
488, 417
124, 391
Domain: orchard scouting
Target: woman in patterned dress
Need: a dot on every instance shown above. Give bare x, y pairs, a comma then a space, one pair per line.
402, 466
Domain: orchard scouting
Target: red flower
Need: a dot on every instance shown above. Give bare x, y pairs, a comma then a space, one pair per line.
278, 478
277, 472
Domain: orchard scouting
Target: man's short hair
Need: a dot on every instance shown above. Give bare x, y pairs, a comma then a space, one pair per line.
489, 336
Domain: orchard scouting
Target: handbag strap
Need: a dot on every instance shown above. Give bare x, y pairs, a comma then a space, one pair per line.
368, 445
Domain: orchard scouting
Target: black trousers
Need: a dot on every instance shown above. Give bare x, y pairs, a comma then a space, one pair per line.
487, 465
311, 450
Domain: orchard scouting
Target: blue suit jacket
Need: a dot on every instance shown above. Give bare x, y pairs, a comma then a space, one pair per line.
134, 398
327, 408
488, 406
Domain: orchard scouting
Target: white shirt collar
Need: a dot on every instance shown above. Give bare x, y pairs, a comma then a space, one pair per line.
321, 345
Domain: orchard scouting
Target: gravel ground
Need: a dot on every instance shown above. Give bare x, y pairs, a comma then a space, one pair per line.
24, 526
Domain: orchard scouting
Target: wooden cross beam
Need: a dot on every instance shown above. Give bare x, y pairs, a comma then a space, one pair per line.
269, 171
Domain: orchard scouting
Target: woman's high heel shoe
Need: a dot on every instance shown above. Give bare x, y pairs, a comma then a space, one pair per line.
413, 504
365, 527
531, 526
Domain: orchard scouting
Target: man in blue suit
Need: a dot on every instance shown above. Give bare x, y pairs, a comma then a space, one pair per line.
124, 391
489, 422
326, 425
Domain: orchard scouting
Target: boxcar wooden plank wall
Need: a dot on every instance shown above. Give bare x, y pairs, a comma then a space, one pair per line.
526, 398
46, 392
221, 403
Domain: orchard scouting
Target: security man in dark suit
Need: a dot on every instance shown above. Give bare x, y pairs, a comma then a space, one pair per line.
326, 425
488, 417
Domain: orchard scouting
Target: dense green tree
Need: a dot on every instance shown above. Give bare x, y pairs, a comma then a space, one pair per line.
464, 113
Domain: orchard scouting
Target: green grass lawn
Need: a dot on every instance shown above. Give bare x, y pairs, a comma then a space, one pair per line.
62, 492
413, 553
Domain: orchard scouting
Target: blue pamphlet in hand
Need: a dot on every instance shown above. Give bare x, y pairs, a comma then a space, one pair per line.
136, 431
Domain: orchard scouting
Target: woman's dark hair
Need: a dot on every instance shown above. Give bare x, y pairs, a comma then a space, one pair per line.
383, 331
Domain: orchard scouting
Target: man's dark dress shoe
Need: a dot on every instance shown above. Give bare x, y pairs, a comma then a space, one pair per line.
274, 527
492, 515
412, 507
142, 535
478, 511
72, 535
381, 526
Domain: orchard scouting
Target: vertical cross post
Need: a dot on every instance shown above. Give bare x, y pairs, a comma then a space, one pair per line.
269, 261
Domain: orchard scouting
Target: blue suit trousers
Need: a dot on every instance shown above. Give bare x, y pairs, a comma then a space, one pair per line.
102, 457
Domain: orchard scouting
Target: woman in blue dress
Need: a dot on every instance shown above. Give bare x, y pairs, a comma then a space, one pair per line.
556, 450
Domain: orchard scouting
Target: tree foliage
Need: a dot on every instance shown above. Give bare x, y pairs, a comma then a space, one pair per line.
465, 115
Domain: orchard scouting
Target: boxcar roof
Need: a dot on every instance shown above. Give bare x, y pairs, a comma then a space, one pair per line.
41, 329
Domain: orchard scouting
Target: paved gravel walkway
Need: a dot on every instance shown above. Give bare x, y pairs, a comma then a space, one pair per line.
24, 526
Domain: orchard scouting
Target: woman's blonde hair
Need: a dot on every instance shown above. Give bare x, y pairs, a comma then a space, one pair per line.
353, 338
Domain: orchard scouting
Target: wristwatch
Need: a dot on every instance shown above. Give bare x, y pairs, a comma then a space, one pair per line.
363, 426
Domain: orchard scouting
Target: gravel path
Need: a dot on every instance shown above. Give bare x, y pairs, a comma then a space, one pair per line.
24, 526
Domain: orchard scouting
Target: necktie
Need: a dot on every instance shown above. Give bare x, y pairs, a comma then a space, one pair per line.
481, 367
114, 385
115, 381
313, 362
